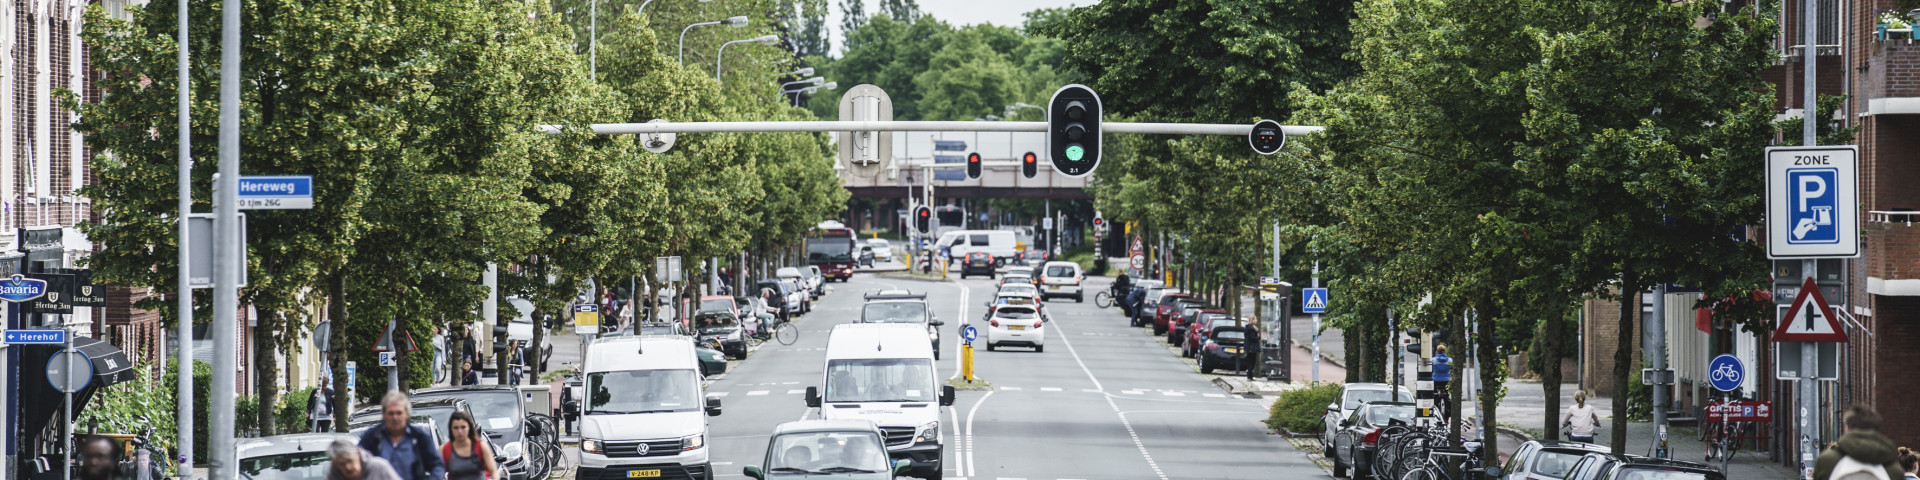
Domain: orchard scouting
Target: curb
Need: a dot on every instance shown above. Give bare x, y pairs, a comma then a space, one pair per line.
1524, 437
1309, 350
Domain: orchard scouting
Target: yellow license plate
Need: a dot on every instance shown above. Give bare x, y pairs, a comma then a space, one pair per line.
643, 473
1017, 327
1232, 350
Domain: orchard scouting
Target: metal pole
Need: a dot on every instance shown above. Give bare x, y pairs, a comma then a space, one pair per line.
593, 39
66, 413
184, 290
1810, 58
916, 126
393, 371
1656, 327
1807, 387
683, 39
1316, 332
226, 262
1809, 352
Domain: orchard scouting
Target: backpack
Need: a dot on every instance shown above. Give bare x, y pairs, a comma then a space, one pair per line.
446, 455
1850, 469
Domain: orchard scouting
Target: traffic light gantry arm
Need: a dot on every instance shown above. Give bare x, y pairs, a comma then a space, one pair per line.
920, 126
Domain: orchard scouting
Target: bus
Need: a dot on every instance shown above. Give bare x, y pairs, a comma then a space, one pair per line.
948, 218
831, 247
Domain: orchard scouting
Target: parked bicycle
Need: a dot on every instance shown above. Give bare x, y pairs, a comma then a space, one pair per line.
1431, 467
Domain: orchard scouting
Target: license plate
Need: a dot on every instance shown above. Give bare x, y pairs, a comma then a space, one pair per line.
1017, 327
1232, 349
643, 473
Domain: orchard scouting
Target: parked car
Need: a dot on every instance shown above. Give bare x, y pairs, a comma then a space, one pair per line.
1358, 438
848, 449
1168, 307
502, 412
720, 327
785, 297
1014, 325
819, 279
1352, 396
1177, 323
882, 249
977, 263
863, 253
1062, 279
1225, 348
1139, 286
721, 302
1547, 459
1202, 326
802, 282
287, 457
1595, 466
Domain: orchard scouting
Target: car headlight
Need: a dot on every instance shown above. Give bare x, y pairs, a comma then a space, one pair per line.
928, 433
512, 450
734, 336
592, 446
934, 336
693, 442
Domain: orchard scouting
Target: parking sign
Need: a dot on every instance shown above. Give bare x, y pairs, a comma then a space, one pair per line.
1812, 202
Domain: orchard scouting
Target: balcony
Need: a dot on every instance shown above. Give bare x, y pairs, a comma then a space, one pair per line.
1893, 253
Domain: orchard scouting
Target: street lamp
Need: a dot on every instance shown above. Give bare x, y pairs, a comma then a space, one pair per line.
809, 90
765, 39
1020, 105
993, 118
593, 35
810, 81
796, 73
736, 22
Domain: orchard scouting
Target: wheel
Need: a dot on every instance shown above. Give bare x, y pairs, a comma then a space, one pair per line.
989, 346
991, 276
786, 333
1102, 300
1158, 330
1417, 474
1039, 348
1080, 297
1205, 367
1339, 469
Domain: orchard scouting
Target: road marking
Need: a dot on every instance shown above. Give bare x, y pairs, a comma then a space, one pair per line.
1010, 389
1163, 392
756, 393
1049, 389
795, 392
717, 394
1116, 408
968, 443
1133, 392
1214, 395
788, 383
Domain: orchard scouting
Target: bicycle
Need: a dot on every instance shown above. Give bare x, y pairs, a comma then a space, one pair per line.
779, 330
1723, 437
1431, 469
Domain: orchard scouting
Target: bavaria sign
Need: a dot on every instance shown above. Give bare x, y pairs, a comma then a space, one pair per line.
21, 289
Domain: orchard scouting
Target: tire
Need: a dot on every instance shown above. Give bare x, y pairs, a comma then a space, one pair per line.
1080, 297
1157, 330
1039, 348
1339, 469
1416, 474
989, 346
1102, 300
1205, 367
786, 333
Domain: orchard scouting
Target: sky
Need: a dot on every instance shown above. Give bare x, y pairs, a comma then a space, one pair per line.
959, 12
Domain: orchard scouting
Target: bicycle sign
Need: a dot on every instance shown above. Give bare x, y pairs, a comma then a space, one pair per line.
1726, 372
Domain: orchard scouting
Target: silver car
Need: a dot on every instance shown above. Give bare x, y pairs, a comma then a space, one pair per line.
1353, 395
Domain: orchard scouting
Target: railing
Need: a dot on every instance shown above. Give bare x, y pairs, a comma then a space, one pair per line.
1883, 33
1893, 216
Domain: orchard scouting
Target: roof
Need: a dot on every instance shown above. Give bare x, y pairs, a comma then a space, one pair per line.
879, 340
715, 297
466, 388
660, 352
1367, 386
895, 295
285, 444
418, 403
1566, 445
818, 426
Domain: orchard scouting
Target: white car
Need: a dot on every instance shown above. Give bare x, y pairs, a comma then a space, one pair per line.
1062, 279
1016, 325
881, 249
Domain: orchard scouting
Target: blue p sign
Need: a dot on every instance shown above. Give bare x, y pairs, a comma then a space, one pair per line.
1812, 200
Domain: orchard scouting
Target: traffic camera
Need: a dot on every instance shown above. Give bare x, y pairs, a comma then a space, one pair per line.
1073, 130
922, 220
1029, 165
973, 165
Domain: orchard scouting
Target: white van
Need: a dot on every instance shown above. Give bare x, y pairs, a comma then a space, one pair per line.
999, 243
884, 373
1062, 279
644, 414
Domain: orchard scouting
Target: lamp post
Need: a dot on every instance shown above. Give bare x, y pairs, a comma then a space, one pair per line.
809, 90
593, 35
1020, 105
736, 22
810, 81
764, 39
797, 73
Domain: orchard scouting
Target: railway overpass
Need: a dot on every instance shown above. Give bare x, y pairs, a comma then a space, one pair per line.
940, 159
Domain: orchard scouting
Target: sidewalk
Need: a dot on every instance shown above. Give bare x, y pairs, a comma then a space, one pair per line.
1523, 410
1333, 344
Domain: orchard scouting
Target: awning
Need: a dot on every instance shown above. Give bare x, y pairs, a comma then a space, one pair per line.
40, 403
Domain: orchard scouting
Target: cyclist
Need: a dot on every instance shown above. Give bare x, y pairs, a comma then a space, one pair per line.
1121, 286
1580, 419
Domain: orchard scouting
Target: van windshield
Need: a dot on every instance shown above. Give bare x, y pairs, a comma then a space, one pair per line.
643, 391
894, 312
1060, 271
880, 380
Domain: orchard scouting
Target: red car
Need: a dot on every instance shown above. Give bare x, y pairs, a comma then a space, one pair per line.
1178, 322
1167, 308
1202, 329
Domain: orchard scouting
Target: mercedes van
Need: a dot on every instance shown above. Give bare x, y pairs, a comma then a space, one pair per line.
644, 412
884, 373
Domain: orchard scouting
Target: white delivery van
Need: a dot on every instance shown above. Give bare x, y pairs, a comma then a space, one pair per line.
644, 412
884, 373
999, 243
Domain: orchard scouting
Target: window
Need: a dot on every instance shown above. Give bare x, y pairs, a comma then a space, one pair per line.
827, 453
1554, 464
979, 240
880, 380
643, 391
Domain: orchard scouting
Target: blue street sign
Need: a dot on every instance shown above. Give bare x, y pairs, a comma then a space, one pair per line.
1726, 372
969, 333
279, 192
1813, 202
585, 308
20, 288
44, 337
1810, 205
1313, 300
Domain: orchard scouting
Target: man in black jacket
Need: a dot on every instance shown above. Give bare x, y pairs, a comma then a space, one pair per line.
408, 448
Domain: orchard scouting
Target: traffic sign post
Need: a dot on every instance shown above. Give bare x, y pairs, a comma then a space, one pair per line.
1813, 202
586, 319
967, 333
1726, 372
1313, 300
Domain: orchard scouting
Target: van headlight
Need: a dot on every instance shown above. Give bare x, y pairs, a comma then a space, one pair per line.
693, 442
929, 433
592, 446
513, 450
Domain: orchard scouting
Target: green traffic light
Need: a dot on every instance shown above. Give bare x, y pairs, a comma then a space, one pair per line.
1074, 152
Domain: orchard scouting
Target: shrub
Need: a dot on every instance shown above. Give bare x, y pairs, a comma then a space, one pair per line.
1300, 410
292, 416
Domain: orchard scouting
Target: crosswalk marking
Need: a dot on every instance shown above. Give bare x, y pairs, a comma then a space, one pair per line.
717, 394
795, 392
1214, 395
1132, 392
1049, 389
756, 392
1010, 388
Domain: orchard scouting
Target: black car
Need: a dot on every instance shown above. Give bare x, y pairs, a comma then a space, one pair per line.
779, 301
720, 326
502, 412
1634, 467
977, 263
1359, 436
1225, 348
1547, 460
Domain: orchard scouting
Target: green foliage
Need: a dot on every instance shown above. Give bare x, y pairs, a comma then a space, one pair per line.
1639, 402
137, 404
1832, 131
935, 71
1301, 410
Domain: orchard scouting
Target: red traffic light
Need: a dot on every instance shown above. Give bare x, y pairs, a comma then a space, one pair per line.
1029, 165
973, 165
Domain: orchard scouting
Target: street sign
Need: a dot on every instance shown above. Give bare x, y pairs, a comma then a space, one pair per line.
1726, 372
1313, 300
59, 296
385, 343
20, 288
52, 336
667, 269
65, 380
1741, 410
1046, 223
969, 333
1809, 319
1787, 359
276, 192
200, 250
386, 359
1139, 262
866, 153
1813, 202
85, 292
586, 318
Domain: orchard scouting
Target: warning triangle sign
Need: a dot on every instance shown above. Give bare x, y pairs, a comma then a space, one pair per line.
1315, 301
1809, 319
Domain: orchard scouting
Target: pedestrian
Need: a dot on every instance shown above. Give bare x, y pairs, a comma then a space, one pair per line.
1253, 350
1442, 370
1860, 453
348, 462
467, 457
1135, 301
320, 406
408, 448
472, 376
1580, 419
1910, 462
100, 459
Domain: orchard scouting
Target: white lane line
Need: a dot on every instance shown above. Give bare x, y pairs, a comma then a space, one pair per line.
717, 394
1167, 393
757, 393
1132, 392
795, 392
788, 383
1116, 408
1049, 389
1214, 395
969, 441
1010, 389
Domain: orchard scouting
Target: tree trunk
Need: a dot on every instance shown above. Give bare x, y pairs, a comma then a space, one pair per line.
1623, 360
1551, 344
1455, 382
337, 315
1355, 341
534, 365
1485, 353
265, 371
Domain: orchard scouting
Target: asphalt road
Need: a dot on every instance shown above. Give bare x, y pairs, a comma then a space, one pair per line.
1105, 401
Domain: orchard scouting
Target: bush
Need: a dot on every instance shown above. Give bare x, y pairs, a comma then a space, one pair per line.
292, 416
1300, 410
119, 408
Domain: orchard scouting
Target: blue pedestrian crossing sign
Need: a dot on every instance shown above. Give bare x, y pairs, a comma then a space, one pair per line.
1313, 300
1726, 372
1813, 202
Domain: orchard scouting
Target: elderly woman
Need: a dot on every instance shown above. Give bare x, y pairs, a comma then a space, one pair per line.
349, 462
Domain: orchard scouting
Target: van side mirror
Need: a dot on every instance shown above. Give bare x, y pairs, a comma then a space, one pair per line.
936, 322
713, 407
946, 396
1332, 407
753, 472
813, 397
900, 466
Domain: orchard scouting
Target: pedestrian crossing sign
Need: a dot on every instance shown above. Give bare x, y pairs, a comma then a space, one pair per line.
1314, 300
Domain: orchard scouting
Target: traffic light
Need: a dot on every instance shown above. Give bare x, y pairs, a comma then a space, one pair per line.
1029, 165
500, 337
973, 165
1073, 130
1099, 226
922, 220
